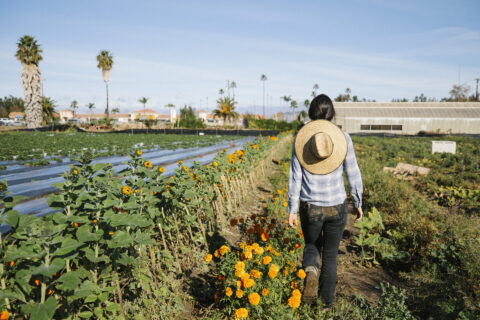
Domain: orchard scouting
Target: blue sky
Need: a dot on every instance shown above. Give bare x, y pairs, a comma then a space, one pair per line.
182, 52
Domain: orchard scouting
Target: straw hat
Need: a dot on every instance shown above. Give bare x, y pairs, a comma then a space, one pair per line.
320, 147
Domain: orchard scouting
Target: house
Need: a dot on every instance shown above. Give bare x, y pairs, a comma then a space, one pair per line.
66, 115
16, 115
144, 114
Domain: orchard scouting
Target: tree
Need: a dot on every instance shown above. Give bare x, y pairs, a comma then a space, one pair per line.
221, 92
459, 92
74, 106
91, 106
170, 105
294, 105
306, 103
29, 54
188, 119
344, 97
263, 78
144, 101
314, 90
115, 110
105, 62
233, 86
48, 110
226, 107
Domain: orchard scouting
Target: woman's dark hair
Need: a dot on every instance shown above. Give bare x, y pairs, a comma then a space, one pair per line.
321, 108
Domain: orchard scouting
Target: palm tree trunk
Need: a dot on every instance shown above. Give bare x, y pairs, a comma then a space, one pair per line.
32, 88
263, 98
106, 110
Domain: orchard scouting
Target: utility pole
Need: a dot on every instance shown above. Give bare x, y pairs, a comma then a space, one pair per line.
476, 90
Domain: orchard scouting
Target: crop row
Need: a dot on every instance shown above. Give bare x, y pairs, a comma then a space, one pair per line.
23, 146
118, 246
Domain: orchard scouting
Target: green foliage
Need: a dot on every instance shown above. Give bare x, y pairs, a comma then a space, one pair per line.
10, 104
188, 119
371, 241
270, 124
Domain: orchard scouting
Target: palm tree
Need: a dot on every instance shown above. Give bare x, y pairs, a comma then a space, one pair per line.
74, 106
48, 110
221, 92
233, 85
28, 53
144, 101
225, 109
105, 62
115, 110
263, 78
287, 99
314, 91
90, 107
293, 105
306, 103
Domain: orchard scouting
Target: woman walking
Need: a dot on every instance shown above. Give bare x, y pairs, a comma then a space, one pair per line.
321, 153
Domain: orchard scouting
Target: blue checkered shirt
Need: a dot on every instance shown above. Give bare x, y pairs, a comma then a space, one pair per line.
328, 189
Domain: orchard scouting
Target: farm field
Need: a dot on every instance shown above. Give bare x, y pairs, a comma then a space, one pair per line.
42, 148
210, 242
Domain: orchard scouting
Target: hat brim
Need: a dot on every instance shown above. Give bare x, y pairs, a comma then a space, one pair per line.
303, 152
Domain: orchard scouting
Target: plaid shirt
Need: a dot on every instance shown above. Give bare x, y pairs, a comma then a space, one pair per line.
324, 190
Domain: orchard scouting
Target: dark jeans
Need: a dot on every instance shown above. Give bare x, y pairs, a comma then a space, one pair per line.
323, 228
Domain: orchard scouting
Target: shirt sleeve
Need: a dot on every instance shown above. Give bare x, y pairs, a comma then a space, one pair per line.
294, 183
354, 178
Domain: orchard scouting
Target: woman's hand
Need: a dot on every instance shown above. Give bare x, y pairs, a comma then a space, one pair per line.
292, 220
359, 214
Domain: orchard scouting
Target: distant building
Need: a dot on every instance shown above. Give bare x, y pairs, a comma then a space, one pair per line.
16, 115
408, 117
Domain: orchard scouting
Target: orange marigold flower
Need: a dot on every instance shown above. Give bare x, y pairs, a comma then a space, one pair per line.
223, 250
221, 277
258, 250
294, 302
37, 282
228, 291
208, 258
111, 233
254, 298
272, 273
241, 313
233, 222
94, 221
279, 191
264, 236
247, 255
298, 245
147, 164
292, 285
265, 292
239, 284
247, 283
296, 293
216, 254
242, 245
12, 263
161, 169
49, 292
301, 274
285, 203
126, 190
266, 260
255, 273
4, 315
139, 152
240, 265
285, 272
75, 224
180, 162
239, 293
239, 273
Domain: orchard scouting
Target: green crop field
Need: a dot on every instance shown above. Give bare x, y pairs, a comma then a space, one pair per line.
23, 146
